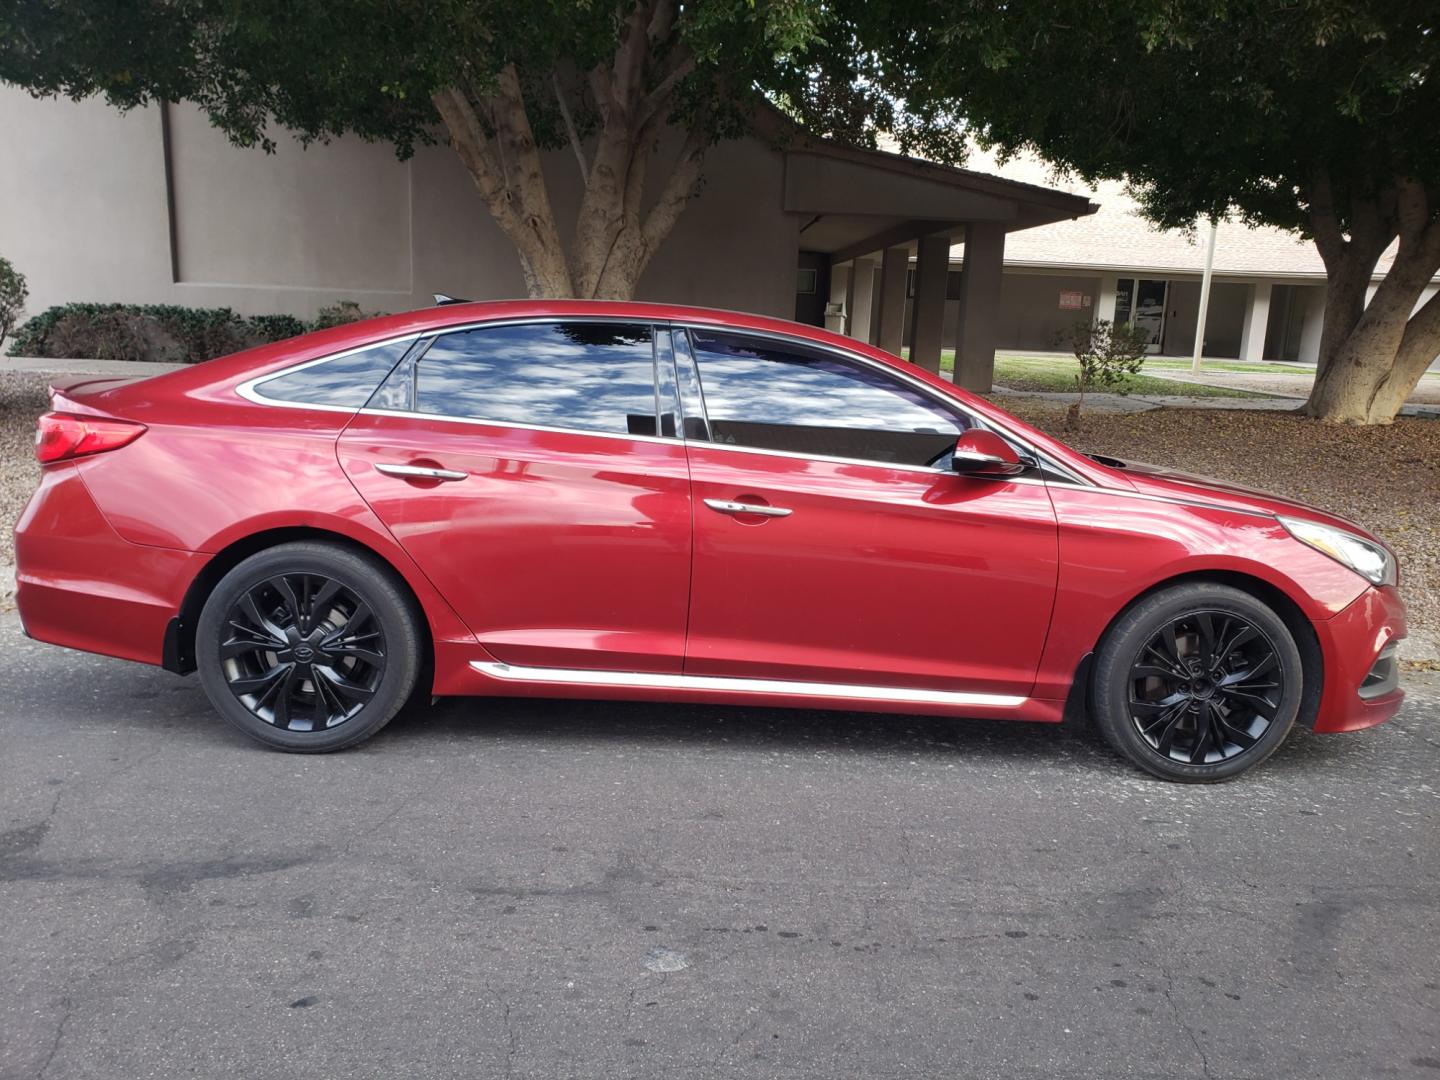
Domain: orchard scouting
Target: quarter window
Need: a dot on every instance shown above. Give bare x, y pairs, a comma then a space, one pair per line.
579, 376
341, 382
783, 397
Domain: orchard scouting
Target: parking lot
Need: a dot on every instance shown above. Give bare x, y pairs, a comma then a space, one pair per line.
570, 889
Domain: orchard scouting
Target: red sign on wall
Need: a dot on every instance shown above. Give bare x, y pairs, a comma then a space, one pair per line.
1071, 301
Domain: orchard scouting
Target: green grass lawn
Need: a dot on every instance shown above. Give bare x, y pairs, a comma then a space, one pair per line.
1057, 373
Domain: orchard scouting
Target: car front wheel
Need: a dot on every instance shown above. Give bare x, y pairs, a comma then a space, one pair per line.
1198, 683
308, 647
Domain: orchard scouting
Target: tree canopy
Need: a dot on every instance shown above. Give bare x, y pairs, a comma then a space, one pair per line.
1316, 116
500, 81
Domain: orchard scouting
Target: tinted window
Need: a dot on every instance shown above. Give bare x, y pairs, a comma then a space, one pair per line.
346, 381
581, 376
778, 397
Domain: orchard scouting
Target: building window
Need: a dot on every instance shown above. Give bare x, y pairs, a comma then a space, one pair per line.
807, 280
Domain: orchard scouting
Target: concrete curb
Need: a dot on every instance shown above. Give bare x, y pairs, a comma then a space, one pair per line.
42, 365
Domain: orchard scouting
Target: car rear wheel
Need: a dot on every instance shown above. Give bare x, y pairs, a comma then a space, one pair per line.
308, 647
1198, 683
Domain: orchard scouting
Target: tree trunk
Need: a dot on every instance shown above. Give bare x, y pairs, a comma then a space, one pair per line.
615, 235
1372, 356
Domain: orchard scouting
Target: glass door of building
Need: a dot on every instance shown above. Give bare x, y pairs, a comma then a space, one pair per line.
1141, 302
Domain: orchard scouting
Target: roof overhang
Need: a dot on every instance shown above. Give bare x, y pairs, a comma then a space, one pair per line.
854, 201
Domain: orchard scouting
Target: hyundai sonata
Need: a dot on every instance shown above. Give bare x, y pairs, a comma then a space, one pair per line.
640, 501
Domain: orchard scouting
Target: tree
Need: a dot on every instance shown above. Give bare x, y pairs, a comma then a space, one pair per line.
13, 293
500, 81
1107, 353
1316, 116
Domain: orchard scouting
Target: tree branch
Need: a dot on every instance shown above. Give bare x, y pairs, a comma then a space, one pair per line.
678, 190
570, 127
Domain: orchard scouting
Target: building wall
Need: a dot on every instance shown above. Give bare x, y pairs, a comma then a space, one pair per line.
86, 197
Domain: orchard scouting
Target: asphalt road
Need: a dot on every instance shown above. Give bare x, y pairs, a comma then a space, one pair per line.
550, 890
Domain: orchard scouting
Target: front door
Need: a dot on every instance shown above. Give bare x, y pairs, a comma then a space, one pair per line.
523, 469
864, 560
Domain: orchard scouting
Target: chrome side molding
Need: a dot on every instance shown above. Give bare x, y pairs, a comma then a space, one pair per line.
724, 684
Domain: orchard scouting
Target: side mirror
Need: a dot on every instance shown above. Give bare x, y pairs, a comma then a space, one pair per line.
983, 453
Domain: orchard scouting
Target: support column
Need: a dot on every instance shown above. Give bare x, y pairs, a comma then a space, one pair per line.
1257, 319
932, 267
979, 306
1313, 297
858, 293
1105, 298
890, 334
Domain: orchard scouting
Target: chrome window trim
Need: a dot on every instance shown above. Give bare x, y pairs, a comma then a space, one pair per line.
924, 388
507, 425
727, 684
250, 389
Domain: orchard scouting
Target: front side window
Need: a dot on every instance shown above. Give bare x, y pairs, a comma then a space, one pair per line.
578, 376
341, 382
778, 396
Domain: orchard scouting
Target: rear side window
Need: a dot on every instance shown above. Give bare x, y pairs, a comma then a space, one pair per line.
343, 382
577, 376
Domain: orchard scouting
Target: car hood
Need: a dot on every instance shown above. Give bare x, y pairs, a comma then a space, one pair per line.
1159, 480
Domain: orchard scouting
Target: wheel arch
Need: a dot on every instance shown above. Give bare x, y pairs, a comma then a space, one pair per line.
179, 648
1312, 658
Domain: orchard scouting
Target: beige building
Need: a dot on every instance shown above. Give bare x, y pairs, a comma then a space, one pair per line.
154, 206
1267, 294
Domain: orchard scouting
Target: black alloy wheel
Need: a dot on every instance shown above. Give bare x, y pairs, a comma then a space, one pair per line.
309, 646
1197, 682
1205, 687
304, 652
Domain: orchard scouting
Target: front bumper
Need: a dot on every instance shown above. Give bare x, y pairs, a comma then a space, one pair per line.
1351, 644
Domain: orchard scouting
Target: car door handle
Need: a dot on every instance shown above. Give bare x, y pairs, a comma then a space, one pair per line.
725, 506
419, 472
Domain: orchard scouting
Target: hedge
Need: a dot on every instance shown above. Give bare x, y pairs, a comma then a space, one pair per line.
165, 332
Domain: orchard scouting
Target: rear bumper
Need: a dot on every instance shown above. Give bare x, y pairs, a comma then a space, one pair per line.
80, 585
1352, 643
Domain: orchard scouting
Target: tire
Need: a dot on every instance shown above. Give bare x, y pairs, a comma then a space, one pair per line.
1197, 683
309, 647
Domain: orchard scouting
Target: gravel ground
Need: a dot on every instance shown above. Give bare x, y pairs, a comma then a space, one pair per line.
22, 398
1386, 478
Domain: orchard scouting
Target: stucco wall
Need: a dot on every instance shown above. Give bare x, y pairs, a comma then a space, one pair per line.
84, 215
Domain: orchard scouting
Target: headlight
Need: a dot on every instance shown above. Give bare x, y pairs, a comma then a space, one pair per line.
1368, 559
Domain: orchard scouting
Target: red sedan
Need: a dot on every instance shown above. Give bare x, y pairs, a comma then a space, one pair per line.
650, 502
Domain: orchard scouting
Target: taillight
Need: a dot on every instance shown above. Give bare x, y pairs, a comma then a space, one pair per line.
58, 437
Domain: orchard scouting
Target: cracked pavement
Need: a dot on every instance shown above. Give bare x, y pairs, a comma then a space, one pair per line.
547, 889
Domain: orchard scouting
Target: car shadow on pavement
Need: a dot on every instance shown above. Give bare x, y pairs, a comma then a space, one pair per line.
645, 725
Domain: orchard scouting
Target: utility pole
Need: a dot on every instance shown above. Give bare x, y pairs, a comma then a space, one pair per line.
1204, 302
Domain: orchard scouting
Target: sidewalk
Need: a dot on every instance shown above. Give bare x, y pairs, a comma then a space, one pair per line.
1133, 403
138, 369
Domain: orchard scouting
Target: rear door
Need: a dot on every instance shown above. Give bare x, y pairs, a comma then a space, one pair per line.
523, 468
832, 543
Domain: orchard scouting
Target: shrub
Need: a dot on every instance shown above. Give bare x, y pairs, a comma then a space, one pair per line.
1108, 353
338, 314
12, 297
201, 333
116, 334
267, 328
161, 331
